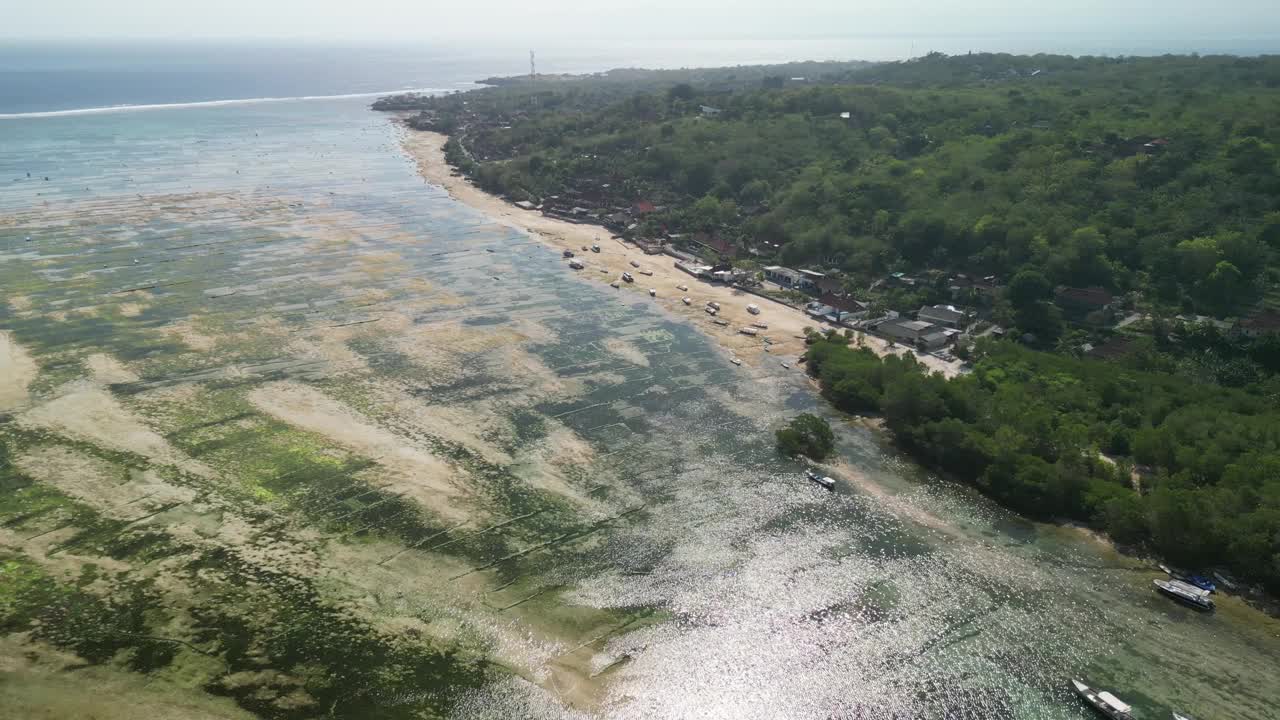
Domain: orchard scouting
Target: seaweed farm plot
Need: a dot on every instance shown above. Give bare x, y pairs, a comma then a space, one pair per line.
292, 448
286, 434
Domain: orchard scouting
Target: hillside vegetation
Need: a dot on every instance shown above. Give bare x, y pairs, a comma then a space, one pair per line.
1156, 175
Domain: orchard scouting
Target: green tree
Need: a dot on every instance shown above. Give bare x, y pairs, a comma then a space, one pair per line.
1027, 288
807, 435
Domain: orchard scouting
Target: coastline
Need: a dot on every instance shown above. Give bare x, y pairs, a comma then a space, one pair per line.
786, 324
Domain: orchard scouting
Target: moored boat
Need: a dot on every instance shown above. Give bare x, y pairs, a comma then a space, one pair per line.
754, 309
686, 301
1185, 593
1103, 701
627, 277
735, 361
748, 331
635, 264
822, 480
682, 288
568, 253
576, 265
595, 248
653, 292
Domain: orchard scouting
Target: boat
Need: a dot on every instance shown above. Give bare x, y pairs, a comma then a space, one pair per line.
735, 361
1185, 593
653, 292
710, 310
714, 305
686, 301
615, 284
576, 265
1224, 581
568, 253
762, 326
822, 480
595, 248
1199, 581
754, 309
635, 264
721, 323
1103, 701
1180, 716
749, 331
786, 366
646, 272
682, 288
627, 276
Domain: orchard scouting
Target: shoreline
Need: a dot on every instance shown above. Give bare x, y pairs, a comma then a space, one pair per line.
786, 323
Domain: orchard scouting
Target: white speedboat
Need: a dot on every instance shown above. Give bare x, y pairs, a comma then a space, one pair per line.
1103, 701
1185, 593
653, 292
822, 480
686, 301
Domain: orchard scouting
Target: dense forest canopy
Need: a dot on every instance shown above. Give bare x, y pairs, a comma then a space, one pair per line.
1157, 175
1189, 470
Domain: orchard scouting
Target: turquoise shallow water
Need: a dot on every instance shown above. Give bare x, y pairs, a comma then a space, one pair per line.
678, 569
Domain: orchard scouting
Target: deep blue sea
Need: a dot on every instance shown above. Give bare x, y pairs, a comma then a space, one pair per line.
59, 77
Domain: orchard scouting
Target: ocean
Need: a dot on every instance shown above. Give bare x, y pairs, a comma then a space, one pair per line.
57, 77
289, 432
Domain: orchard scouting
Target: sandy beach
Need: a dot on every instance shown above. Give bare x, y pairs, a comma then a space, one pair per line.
785, 324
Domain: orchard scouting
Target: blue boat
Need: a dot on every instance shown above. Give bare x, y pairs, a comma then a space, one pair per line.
1199, 581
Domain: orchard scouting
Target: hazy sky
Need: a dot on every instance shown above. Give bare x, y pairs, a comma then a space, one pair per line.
624, 21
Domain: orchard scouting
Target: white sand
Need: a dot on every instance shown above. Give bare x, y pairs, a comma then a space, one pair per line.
17, 370
407, 468
786, 324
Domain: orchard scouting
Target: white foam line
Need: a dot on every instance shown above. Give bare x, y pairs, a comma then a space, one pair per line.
210, 103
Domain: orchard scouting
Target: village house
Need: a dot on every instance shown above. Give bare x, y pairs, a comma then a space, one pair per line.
788, 278
944, 315
934, 340
910, 331
1266, 322
1083, 301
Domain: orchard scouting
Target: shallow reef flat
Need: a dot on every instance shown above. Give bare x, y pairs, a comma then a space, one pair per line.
286, 433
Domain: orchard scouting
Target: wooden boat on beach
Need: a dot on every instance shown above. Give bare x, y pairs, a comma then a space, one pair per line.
1103, 701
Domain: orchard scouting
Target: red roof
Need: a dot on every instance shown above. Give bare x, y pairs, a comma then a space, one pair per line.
843, 304
1092, 297
642, 207
1265, 321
